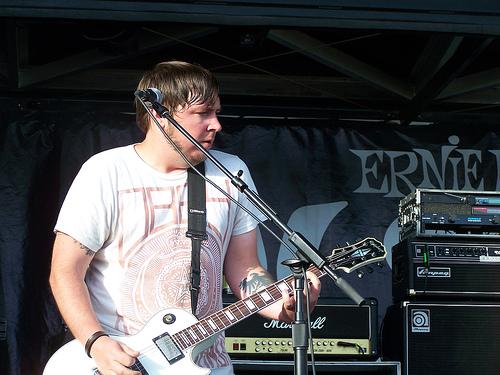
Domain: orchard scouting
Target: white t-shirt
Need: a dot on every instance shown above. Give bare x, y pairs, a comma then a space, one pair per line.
135, 219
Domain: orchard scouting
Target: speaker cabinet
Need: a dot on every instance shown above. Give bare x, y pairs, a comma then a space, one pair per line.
443, 338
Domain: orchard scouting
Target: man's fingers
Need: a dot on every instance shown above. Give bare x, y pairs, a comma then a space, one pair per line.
288, 301
129, 350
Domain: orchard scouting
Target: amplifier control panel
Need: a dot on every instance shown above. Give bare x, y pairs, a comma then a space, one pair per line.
467, 252
283, 345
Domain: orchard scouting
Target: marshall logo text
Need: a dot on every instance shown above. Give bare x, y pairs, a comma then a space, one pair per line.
319, 323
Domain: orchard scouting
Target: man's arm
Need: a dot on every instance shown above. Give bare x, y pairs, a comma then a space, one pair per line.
245, 276
70, 261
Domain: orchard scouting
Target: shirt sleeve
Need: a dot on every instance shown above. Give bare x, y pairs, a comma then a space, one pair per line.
87, 209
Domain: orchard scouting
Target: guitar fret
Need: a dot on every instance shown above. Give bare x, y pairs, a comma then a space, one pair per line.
198, 332
243, 307
275, 292
237, 307
289, 285
265, 296
283, 286
179, 341
259, 302
187, 337
230, 315
202, 329
236, 312
249, 303
193, 334
221, 324
212, 324
207, 327
223, 318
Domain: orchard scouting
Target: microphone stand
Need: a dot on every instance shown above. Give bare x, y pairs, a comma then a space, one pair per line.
306, 253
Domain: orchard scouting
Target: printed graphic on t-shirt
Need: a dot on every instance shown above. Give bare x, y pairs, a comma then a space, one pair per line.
156, 257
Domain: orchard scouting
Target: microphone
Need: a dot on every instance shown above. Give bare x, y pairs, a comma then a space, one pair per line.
151, 95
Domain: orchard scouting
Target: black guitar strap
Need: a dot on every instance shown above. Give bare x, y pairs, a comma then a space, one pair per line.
197, 223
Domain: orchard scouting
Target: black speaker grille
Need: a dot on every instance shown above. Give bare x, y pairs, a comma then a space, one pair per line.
457, 339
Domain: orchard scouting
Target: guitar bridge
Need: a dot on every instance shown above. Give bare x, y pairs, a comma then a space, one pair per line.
137, 366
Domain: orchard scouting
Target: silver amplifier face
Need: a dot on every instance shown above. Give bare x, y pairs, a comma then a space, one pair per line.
338, 330
449, 213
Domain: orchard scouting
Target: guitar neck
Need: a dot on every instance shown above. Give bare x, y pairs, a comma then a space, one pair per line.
236, 312
347, 258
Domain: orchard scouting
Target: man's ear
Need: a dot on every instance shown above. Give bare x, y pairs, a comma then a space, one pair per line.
155, 114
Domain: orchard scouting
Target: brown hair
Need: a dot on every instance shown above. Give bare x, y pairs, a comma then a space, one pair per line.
182, 84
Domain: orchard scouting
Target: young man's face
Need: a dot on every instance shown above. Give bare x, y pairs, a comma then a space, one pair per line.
199, 120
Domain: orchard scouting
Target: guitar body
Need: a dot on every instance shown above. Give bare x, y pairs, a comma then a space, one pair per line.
71, 358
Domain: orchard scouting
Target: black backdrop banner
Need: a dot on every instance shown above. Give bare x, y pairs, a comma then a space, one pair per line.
334, 183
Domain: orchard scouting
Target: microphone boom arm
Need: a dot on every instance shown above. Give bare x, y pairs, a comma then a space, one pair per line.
305, 250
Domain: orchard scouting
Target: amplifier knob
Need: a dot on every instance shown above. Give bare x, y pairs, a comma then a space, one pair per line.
257, 349
257, 342
270, 342
269, 349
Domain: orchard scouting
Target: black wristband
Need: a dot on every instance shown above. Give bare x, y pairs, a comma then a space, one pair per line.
92, 339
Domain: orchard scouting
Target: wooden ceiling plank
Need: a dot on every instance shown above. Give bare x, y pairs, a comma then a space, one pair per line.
91, 58
336, 59
123, 80
17, 47
472, 82
436, 53
467, 53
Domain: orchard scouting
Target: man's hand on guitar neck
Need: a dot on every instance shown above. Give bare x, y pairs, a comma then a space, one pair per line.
287, 313
245, 276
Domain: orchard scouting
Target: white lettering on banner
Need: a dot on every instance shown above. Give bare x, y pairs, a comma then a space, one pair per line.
392, 172
319, 323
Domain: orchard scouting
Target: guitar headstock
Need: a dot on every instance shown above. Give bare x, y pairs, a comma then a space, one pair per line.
359, 254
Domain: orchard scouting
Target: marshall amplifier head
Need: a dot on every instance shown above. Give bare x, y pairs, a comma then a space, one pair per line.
446, 213
445, 268
339, 330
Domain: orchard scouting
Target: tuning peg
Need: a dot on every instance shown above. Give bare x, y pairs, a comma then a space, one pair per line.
380, 264
360, 274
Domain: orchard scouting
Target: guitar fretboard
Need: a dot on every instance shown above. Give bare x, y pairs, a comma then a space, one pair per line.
235, 312
348, 258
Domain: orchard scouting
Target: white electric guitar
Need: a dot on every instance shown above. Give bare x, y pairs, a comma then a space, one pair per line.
172, 337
